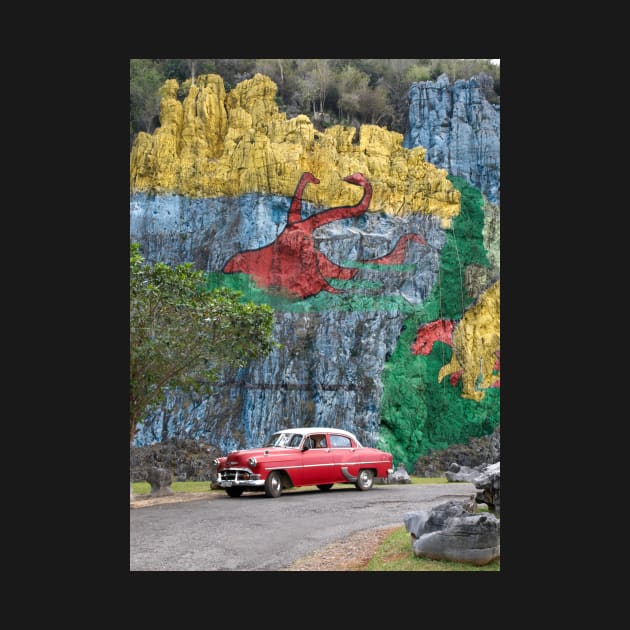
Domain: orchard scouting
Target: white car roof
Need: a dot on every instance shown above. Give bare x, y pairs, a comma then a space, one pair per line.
305, 430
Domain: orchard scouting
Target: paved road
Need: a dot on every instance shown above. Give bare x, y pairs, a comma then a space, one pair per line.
255, 533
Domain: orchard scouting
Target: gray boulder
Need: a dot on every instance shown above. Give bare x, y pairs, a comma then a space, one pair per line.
454, 531
488, 485
400, 475
160, 480
456, 472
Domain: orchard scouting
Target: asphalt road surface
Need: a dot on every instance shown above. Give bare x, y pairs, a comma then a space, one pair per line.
256, 533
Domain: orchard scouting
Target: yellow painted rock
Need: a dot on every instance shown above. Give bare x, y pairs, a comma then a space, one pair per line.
476, 341
216, 144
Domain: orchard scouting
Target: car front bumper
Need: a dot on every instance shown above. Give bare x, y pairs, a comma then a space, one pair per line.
237, 477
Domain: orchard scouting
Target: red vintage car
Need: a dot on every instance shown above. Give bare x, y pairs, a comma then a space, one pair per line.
314, 456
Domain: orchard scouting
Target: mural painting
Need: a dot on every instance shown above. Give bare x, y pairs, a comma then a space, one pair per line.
387, 307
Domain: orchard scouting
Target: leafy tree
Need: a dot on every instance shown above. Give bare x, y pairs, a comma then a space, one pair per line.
177, 69
395, 81
323, 78
181, 335
145, 80
351, 82
233, 71
273, 68
416, 73
316, 78
374, 104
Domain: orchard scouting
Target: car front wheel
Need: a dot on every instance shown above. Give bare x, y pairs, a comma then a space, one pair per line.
365, 480
273, 485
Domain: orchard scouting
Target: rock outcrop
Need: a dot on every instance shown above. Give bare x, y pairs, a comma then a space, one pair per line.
450, 531
160, 480
216, 179
474, 454
216, 183
223, 145
187, 460
327, 373
488, 484
459, 129
400, 475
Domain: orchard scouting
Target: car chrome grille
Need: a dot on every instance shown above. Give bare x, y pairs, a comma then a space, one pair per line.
230, 474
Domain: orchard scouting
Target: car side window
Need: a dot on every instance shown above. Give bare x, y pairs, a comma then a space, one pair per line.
296, 438
340, 441
316, 441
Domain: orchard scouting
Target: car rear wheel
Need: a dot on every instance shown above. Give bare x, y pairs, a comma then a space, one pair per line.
325, 486
365, 480
234, 492
273, 485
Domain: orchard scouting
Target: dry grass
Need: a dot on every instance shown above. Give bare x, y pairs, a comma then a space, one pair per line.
350, 554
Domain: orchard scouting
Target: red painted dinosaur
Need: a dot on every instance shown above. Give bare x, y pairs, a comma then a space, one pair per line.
292, 262
399, 253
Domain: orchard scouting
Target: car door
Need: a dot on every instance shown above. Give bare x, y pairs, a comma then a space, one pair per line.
343, 456
317, 461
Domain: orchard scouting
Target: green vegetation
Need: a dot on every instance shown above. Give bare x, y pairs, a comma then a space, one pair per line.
329, 91
144, 487
359, 295
181, 334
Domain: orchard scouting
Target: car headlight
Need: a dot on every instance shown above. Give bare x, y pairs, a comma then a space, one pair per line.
215, 462
252, 462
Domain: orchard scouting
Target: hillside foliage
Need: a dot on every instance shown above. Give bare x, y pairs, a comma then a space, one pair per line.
329, 91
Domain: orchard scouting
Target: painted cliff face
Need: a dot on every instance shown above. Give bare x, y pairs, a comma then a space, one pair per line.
476, 343
293, 264
381, 268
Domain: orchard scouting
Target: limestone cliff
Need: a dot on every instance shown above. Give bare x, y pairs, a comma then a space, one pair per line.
459, 129
216, 144
218, 182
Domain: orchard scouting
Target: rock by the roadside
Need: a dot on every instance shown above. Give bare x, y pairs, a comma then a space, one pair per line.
160, 480
477, 451
456, 472
450, 531
488, 484
400, 475
188, 460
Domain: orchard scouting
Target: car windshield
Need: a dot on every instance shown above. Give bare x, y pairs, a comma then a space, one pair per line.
284, 439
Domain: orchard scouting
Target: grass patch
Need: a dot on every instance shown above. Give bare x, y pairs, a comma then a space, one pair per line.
422, 480
144, 487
